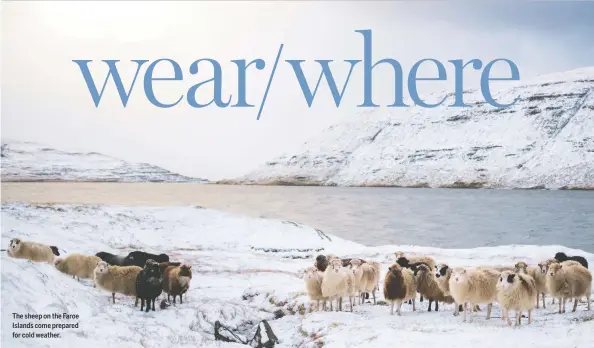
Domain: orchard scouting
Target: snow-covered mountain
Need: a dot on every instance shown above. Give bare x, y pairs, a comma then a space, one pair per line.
244, 270
545, 140
35, 162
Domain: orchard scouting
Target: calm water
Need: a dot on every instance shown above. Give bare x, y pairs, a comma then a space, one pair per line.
444, 218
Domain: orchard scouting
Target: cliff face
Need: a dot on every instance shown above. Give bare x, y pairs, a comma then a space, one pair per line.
545, 140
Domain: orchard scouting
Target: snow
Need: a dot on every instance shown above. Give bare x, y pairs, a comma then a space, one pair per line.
24, 161
244, 269
545, 140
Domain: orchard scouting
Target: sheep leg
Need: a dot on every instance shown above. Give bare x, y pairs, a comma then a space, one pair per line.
414, 308
518, 317
429, 309
489, 307
537, 302
457, 309
374, 299
180, 299
564, 300
136, 302
437, 306
559, 305
331, 309
399, 307
530, 316
154, 303
392, 308
588, 299
421, 300
113, 296
543, 301
352, 302
148, 305
141, 303
339, 304
575, 301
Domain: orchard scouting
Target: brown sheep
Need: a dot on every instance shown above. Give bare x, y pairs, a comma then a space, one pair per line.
176, 281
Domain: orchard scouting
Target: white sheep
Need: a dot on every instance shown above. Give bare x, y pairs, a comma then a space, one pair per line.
338, 282
366, 277
313, 286
400, 285
518, 292
539, 280
117, 279
569, 282
78, 265
474, 286
37, 252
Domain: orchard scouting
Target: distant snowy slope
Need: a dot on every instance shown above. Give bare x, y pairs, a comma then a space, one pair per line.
35, 162
545, 139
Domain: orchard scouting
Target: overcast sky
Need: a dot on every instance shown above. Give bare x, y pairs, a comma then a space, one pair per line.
45, 100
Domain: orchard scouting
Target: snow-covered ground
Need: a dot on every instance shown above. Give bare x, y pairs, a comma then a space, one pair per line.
244, 270
36, 162
545, 140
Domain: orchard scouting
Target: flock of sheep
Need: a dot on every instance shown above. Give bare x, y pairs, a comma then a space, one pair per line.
514, 288
139, 274
518, 288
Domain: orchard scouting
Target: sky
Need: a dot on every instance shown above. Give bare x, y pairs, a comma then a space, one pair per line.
45, 99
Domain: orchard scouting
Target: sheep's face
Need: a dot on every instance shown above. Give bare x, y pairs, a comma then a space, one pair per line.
58, 262
152, 270
395, 269
421, 270
335, 265
15, 246
521, 267
441, 270
398, 254
185, 270
402, 261
101, 268
310, 273
544, 266
355, 264
460, 275
506, 280
554, 269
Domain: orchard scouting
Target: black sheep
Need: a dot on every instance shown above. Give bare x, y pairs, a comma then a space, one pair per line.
114, 260
562, 257
139, 258
148, 284
405, 263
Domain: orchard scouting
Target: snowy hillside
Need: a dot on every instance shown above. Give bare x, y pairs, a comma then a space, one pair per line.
244, 270
35, 162
545, 140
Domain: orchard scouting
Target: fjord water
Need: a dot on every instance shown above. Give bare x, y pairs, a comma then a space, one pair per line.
442, 218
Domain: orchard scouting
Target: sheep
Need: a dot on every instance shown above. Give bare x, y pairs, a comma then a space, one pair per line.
139, 258
567, 282
366, 277
405, 263
117, 279
517, 291
544, 267
400, 285
338, 282
562, 257
426, 259
474, 286
442, 276
313, 286
111, 259
176, 280
539, 280
148, 284
32, 251
427, 286
78, 265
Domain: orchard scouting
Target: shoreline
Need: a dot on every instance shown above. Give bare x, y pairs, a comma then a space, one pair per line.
283, 183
